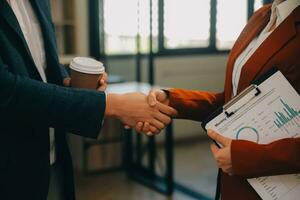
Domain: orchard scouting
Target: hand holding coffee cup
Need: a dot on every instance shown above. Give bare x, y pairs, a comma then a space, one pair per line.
88, 73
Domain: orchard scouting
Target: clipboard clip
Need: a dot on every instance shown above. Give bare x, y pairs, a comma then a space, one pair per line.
238, 97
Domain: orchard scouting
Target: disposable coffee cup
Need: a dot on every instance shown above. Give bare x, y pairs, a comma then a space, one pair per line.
85, 72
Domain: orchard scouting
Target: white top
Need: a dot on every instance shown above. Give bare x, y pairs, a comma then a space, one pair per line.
280, 11
33, 35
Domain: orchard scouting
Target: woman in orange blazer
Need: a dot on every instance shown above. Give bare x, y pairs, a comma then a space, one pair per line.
240, 159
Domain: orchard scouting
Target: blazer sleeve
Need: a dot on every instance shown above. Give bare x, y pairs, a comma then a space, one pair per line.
195, 105
250, 159
24, 100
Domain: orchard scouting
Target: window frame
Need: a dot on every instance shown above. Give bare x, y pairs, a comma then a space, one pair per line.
96, 31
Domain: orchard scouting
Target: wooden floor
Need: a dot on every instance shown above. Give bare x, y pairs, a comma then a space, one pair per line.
194, 167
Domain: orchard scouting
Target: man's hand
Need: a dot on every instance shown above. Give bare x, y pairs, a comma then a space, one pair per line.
222, 155
102, 82
132, 108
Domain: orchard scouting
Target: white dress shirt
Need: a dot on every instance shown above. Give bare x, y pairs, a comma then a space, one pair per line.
33, 35
280, 11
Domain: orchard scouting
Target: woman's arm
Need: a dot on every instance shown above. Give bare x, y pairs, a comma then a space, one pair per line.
194, 105
253, 160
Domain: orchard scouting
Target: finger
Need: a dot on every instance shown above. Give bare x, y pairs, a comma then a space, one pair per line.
152, 100
154, 130
146, 128
102, 87
105, 76
127, 127
139, 127
149, 134
159, 125
219, 138
102, 79
167, 110
161, 96
165, 119
214, 150
67, 82
227, 169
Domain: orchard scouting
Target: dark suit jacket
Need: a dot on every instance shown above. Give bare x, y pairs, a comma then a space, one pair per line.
249, 159
28, 107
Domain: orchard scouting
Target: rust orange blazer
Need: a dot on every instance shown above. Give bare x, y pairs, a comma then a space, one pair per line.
280, 49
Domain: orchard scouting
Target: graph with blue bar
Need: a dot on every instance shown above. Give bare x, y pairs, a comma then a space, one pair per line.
288, 115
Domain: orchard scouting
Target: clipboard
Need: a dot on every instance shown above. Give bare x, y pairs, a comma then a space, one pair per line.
254, 86
268, 110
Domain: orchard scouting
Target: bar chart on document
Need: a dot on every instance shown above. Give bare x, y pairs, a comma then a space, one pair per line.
289, 116
282, 121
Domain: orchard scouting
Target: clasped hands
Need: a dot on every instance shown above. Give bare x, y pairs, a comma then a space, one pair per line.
136, 110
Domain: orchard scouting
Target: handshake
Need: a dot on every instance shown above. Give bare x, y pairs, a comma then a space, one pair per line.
148, 114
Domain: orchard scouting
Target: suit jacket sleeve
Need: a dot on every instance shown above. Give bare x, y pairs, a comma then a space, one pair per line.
25, 100
195, 105
253, 160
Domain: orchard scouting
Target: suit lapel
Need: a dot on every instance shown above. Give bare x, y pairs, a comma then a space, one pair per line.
276, 41
252, 29
256, 25
49, 40
45, 26
9, 16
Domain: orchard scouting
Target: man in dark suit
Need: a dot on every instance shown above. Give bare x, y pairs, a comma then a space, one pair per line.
32, 99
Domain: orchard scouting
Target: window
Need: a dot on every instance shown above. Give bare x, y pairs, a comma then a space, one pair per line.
120, 26
230, 22
206, 25
144, 25
186, 23
124, 21
258, 4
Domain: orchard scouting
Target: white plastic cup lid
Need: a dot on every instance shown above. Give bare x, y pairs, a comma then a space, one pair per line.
87, 65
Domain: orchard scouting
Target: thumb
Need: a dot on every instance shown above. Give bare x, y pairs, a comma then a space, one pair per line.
218, 138
214, 149
152, 100
67, 82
